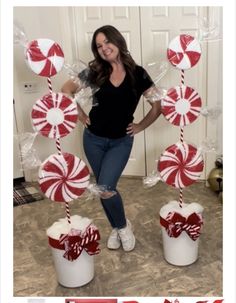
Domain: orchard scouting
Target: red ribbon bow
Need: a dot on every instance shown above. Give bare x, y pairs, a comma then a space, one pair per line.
176, 223
74, 242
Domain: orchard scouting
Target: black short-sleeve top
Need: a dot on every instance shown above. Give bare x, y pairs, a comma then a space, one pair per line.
114, 106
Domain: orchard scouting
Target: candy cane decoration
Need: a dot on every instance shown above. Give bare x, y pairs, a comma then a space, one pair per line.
62, 177
181, 197
182, 129
183, 52
68, 212
181, 140
49, 84
58, 144
182, 76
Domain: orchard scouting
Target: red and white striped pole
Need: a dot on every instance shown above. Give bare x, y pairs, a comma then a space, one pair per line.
68, 212
49, 84
181, 140
58, 146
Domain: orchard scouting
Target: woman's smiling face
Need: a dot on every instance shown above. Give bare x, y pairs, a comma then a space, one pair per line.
107, 50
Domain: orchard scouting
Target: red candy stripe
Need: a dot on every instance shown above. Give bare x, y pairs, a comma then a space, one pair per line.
180, 165
54, 115
184, 52
181, 106
64, 177
45, 57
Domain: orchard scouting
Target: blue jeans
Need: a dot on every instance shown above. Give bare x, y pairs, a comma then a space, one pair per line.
108, 158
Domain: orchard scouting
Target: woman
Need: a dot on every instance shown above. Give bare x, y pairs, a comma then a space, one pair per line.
109, 128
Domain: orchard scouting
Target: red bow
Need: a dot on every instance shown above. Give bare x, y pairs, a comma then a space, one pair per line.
176, 223
74, 242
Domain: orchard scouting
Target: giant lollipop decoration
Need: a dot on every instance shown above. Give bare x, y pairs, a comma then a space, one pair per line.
44, 57
184, 52
182, 105
54, 115
64, 177
181, 164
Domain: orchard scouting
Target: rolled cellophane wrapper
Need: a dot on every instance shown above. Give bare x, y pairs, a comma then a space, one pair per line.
208, 30
209, 145
180, 228
212, 113
28, 155
31, 160
157, 70
155, 94
93, 191
85, 96
152, 179
19, 36
74, 70
79, 74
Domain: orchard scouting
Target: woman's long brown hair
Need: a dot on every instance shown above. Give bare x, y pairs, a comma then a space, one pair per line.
101, 69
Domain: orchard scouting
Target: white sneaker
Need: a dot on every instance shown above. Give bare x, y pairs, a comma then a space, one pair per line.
113, 241
127, 237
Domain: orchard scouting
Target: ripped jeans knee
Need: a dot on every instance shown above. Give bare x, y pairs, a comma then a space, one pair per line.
105, 192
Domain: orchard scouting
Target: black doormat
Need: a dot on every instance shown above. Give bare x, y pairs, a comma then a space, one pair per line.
24, 193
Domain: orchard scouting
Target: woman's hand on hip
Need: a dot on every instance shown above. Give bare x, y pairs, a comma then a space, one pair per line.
133, 129
84, 119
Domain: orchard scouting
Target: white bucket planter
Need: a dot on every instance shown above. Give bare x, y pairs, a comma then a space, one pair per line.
179, 247
79, 271
76, 273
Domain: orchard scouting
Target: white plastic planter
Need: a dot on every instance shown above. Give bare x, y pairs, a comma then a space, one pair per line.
74, 273
182, 250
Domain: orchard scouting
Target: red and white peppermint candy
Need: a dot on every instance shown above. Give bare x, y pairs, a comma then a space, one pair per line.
63, 178
44, 57
181, 106
54, 115
184, 51
180, 165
